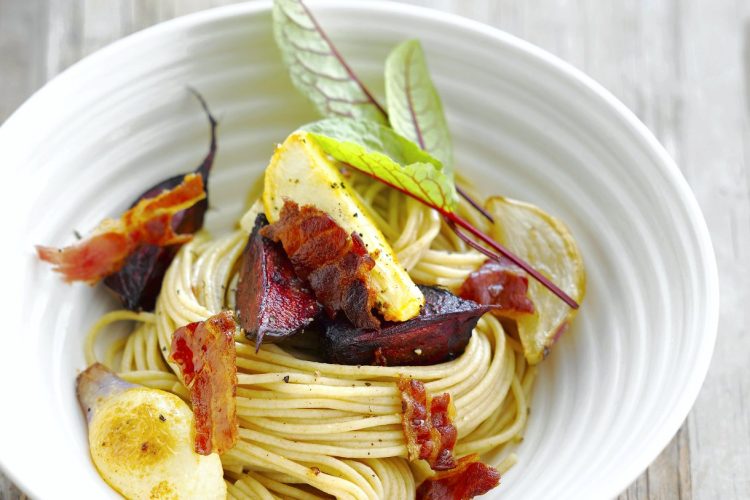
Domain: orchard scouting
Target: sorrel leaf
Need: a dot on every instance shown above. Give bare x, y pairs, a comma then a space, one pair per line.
381, 153
414, 107
317, 68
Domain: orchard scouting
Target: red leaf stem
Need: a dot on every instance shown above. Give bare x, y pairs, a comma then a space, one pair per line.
473, 244
479, 208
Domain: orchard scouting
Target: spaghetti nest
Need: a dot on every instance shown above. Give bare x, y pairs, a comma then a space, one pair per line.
310, 429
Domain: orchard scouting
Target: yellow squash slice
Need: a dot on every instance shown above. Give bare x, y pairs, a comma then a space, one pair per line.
546, 244
300, 171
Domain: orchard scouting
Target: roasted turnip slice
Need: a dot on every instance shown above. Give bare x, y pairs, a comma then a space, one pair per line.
439, 333
138, 283
547, 245
141, 440
272, 302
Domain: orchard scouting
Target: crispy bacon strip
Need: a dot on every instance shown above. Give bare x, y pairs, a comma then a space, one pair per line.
336, 265
106, 250
427, 423
139, 280
206, 355
468, 479
499, 283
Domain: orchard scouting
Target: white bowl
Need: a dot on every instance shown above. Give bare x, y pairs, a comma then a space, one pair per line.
615, 389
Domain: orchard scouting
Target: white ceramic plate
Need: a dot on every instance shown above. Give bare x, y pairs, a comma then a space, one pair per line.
526, 125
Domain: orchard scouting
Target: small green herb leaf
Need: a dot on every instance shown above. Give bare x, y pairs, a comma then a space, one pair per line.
414, 106
380, 152
317, 68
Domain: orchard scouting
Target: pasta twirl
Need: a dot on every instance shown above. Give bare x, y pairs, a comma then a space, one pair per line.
310, 429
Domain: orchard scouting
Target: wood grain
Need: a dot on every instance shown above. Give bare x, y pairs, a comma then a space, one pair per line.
683, 66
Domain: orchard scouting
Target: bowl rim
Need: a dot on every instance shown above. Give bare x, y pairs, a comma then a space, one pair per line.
675, 415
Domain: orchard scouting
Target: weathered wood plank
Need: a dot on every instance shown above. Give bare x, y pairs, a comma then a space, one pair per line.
64, 36
715, 146
23, 36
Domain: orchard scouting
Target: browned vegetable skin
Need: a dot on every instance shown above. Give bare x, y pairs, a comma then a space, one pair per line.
439, 333
272, 302
139, 281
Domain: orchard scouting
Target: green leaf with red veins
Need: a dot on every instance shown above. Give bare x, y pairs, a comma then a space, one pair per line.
381, 153
317, 68
414, 107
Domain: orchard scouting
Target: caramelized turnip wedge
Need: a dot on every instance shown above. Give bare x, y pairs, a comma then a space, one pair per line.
547, 245
439, 333
141, 440
206, 355
138, 283
427, 423
272, 302
468, 479
500, 283
149, 222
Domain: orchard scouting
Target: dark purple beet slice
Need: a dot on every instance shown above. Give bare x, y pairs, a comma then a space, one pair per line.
439, 333
138, 283
272, 302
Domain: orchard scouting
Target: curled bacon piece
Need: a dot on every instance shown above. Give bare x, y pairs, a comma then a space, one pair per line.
138, 282
206, 355
336, 265
500, 283
468, 479
427, 423
148, 222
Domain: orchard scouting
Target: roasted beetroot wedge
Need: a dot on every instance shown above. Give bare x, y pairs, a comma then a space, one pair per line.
272, 302
439, 333
138, 283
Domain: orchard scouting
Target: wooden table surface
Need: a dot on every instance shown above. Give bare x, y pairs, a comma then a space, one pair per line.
683, 66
